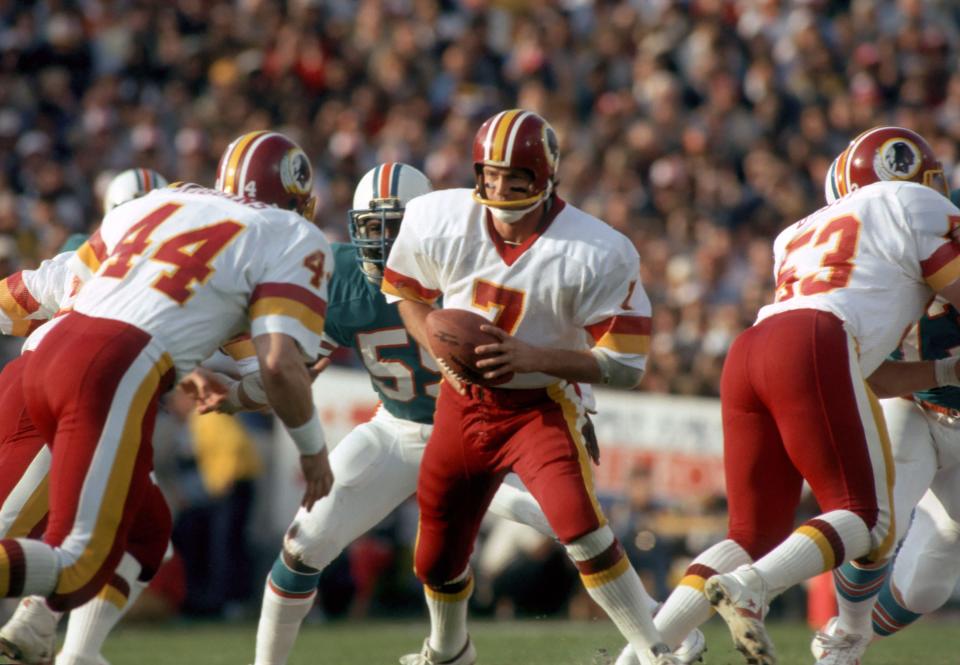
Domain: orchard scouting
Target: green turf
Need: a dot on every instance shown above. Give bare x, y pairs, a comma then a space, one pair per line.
503, 643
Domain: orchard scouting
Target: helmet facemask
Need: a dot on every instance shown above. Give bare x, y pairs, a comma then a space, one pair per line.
372, 233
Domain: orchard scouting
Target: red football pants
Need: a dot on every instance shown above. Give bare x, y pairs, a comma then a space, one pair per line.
91, 389
24, 460
796, 407
477, 439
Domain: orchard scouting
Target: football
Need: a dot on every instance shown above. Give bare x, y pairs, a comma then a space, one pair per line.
453, 336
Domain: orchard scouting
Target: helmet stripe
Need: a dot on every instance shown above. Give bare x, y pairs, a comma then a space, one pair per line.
147, 178
514, 131
498, 150
395, 181
241, 181
233, 161
488, 139
385, 178
376, 181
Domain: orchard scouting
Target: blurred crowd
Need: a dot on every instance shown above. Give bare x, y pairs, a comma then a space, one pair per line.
699, 128
696, 127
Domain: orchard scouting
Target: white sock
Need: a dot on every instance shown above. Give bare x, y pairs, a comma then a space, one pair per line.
89, 624
687, 607
816, 546
615, 586
280, 619
31, 567
448, 614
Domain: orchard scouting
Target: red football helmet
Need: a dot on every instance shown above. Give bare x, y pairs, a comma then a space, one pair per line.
888, 153
522, 140
270, 168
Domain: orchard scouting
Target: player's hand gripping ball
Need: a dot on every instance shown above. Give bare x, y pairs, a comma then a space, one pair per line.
453, 336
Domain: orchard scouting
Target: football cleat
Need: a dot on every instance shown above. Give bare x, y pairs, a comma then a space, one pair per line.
427, 656
740, 599
831, 646
690, 651
30, 635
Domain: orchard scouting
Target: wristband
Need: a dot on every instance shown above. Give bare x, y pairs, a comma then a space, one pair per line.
945, 370
308, 437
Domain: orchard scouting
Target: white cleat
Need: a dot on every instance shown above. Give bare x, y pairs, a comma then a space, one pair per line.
30, 635
831, 646
427, 656
740, 598
690, 651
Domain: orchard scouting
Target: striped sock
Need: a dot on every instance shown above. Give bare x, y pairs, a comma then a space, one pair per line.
615, 586
816, 546
857, 586
889, 615
687, 607
287, 599
27, 567
90, 623
447, 604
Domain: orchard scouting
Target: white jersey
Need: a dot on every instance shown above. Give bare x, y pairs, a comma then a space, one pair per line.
573, 285
30, 297
194, 267
874, 258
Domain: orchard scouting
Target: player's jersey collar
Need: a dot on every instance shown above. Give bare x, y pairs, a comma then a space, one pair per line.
510, 253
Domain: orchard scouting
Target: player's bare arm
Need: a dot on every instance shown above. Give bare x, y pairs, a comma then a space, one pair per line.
895, 378
414, 315
287, 384
514, 355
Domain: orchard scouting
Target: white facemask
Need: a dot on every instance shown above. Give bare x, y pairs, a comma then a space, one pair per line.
512, 216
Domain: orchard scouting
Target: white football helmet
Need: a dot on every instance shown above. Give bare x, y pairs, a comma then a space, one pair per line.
378, 204
830, 190
131, 184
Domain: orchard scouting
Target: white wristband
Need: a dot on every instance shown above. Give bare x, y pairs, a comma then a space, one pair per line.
945, 369
308, 437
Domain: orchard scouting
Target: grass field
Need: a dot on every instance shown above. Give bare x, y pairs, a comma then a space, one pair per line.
503, 643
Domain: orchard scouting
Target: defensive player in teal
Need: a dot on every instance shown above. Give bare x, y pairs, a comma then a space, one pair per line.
925, 433
375, 466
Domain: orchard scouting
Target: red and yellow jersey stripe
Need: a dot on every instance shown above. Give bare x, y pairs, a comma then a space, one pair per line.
93, 252
17, 304
943, 266
401, 286
240, 347
622, 334
290, 300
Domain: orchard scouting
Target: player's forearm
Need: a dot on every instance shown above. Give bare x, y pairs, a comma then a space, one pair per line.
574, 366
900, 377
414, 315
285, 379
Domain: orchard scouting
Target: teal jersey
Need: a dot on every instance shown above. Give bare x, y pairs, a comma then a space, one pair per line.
404, 375
936, 335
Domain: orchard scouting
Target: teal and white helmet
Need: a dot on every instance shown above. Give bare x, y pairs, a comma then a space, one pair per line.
131, 184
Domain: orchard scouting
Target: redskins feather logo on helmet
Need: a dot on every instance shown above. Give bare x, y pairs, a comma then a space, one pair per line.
268, 167
517, 139
885, 154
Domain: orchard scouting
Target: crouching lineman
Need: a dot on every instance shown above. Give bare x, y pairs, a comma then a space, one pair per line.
180, 270
28, 299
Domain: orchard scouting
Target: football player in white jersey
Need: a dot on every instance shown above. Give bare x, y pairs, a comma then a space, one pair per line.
173, 273
851, 278
924, 434
376, 464
27, 299
562, 292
